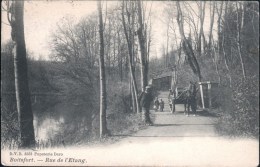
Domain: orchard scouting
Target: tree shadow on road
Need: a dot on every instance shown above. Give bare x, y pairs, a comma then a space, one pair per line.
206, 113
166, 125
154, 136
203, 113
158, 125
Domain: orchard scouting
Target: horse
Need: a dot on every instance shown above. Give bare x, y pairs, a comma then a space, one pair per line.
186, 97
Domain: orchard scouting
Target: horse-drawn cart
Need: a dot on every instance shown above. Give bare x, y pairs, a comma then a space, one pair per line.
179, 96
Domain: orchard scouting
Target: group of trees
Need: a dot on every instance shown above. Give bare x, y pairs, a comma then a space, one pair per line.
227, 53
238, 47
217, 41
78, 52
116, 42
233, 27
122, 30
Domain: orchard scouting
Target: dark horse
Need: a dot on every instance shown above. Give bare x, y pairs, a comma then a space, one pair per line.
190, 103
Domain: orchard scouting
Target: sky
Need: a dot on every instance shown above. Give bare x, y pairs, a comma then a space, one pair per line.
41, 18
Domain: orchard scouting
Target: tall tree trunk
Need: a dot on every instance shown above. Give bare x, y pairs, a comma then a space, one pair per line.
219, 26
239, 45
142, 42
187, 48
114, 53
211, 47
211, 24
21, 79
108, 42
103, 105
224, 47
134, 84
226, 64
167, 45
134, 107
216, 60
119, 57
130, 42
201, 33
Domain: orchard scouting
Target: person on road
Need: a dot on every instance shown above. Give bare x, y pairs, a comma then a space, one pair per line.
191, 99
170, 95
171, 99
161, 105
156, 104
146, 100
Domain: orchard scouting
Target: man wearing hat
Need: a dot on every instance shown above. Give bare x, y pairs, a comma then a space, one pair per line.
146, 100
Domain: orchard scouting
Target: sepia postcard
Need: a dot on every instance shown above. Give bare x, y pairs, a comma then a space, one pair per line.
130, 83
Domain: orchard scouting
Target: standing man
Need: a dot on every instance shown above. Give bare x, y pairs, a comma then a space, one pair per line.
146, 100
161, 105
192, 98
171, 99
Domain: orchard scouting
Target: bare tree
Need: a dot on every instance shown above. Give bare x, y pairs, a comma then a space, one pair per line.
240, 25
167, 44
215, 60
187, 48
223, 41
176, 45
15, 15
219, 12
211, 48
143, 41
201, 38
129, 34
119, 57
103, 105
212, 16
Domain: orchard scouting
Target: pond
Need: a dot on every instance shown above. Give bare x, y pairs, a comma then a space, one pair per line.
63, 122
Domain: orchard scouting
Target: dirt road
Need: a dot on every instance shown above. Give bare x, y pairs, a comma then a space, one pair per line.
178, 140
175, 140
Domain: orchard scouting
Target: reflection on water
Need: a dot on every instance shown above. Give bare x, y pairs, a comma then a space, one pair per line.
48, 127
61, 121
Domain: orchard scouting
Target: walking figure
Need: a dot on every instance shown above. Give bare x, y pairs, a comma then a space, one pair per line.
161, 105
156, 104
171, 99
146, 99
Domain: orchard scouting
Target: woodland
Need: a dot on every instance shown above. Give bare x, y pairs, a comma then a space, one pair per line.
99, 66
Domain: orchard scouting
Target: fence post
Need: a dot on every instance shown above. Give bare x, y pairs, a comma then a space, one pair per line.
209, 93
202, 96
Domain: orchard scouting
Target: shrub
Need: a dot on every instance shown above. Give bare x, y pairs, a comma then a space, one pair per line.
240, 109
